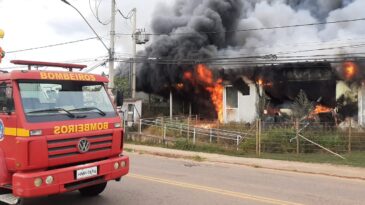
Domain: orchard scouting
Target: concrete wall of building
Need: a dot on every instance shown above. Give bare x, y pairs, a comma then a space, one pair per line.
246, 110
132, 110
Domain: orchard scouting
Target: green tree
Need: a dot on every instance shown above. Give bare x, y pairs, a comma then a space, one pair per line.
122, 83
263, 101
302, 106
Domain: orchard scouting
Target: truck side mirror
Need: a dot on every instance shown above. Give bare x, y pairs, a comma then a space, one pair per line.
119, 98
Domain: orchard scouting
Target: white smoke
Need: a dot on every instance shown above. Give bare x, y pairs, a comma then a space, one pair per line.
328, 39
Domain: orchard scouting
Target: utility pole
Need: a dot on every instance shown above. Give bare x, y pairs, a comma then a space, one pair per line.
134, 37
112, 46
171, 103
112, 39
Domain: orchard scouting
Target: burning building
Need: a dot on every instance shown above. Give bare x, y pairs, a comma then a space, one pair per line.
320, 81
222, 55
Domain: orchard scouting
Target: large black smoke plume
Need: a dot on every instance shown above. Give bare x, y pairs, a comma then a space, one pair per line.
194, 30
186, 35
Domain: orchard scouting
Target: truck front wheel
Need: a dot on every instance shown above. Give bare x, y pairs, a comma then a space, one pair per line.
93, 190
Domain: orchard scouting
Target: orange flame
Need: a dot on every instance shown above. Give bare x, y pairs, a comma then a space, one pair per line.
349, 70
204, 74
179, 86
321, 109
188, 75
260, 82
205, 77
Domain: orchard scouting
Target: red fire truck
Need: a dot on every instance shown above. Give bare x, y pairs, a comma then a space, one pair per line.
59, 132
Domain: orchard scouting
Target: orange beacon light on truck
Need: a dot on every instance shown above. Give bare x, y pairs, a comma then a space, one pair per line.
2, 52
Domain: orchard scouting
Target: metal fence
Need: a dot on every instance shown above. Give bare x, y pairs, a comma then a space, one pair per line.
259, 137
181, 127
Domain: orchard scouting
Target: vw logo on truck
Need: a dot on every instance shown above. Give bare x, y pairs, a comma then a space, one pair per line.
83, 145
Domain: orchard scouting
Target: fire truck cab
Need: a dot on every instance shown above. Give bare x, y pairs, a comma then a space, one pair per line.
59, 132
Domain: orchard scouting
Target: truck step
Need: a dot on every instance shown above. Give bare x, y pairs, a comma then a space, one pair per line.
9, 199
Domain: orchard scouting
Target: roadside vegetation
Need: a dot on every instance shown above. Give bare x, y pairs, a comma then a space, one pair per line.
356, 158
277, 142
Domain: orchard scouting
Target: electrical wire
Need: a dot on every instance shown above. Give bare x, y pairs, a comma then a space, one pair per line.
254, 29
96, 12
128, 16
95, 66
51, 45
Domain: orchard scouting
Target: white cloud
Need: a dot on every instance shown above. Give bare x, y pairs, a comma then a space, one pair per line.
33, 23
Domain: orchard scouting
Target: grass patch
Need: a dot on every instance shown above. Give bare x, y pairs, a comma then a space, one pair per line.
356, 159
198, 158
128, 149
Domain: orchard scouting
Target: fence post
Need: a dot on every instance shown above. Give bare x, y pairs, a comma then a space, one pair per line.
124, 122
238, 142
187, 136
297, 135
194, 136
350, 136
210, 135
196, 119
260, 130
140, 126
257, 137
164, 134
181, 129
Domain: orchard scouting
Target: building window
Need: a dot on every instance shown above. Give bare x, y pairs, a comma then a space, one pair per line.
245, 89
231, 97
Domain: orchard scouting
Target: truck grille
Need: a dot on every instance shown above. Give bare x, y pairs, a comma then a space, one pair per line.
59, 148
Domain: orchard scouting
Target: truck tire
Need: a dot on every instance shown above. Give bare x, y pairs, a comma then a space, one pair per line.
93, 190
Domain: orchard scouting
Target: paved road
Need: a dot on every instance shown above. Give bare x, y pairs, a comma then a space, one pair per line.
158, 180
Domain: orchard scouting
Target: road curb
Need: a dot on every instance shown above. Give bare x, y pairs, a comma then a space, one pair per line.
341, 171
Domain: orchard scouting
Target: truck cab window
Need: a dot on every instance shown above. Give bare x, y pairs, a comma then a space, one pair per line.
64, 100
5, 97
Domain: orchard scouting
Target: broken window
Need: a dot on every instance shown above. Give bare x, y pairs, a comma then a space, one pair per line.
231, 97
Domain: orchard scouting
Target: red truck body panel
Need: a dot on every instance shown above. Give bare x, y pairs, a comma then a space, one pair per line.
55, 153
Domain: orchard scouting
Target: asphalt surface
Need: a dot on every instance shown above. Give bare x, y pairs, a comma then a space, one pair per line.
159, 180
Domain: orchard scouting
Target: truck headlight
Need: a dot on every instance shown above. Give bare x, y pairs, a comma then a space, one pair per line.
117, 125
49, 180
123, 164
38, 182
116, 165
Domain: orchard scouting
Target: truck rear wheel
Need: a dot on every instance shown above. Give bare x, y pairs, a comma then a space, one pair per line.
93, 190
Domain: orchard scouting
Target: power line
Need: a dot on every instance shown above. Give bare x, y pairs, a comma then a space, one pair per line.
52, 45
266, 28
96, 13
128, 16
253, 29
95, 66
322, 49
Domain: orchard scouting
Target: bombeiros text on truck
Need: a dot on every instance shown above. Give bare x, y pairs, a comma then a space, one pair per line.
59, 132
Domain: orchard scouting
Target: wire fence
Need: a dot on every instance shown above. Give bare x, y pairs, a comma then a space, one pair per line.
189, 129
259, 137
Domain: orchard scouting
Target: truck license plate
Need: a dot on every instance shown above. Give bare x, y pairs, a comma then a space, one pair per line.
88, 172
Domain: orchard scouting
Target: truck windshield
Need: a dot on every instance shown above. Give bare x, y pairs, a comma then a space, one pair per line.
64, 100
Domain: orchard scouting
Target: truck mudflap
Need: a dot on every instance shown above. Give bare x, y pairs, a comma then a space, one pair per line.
56, 181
